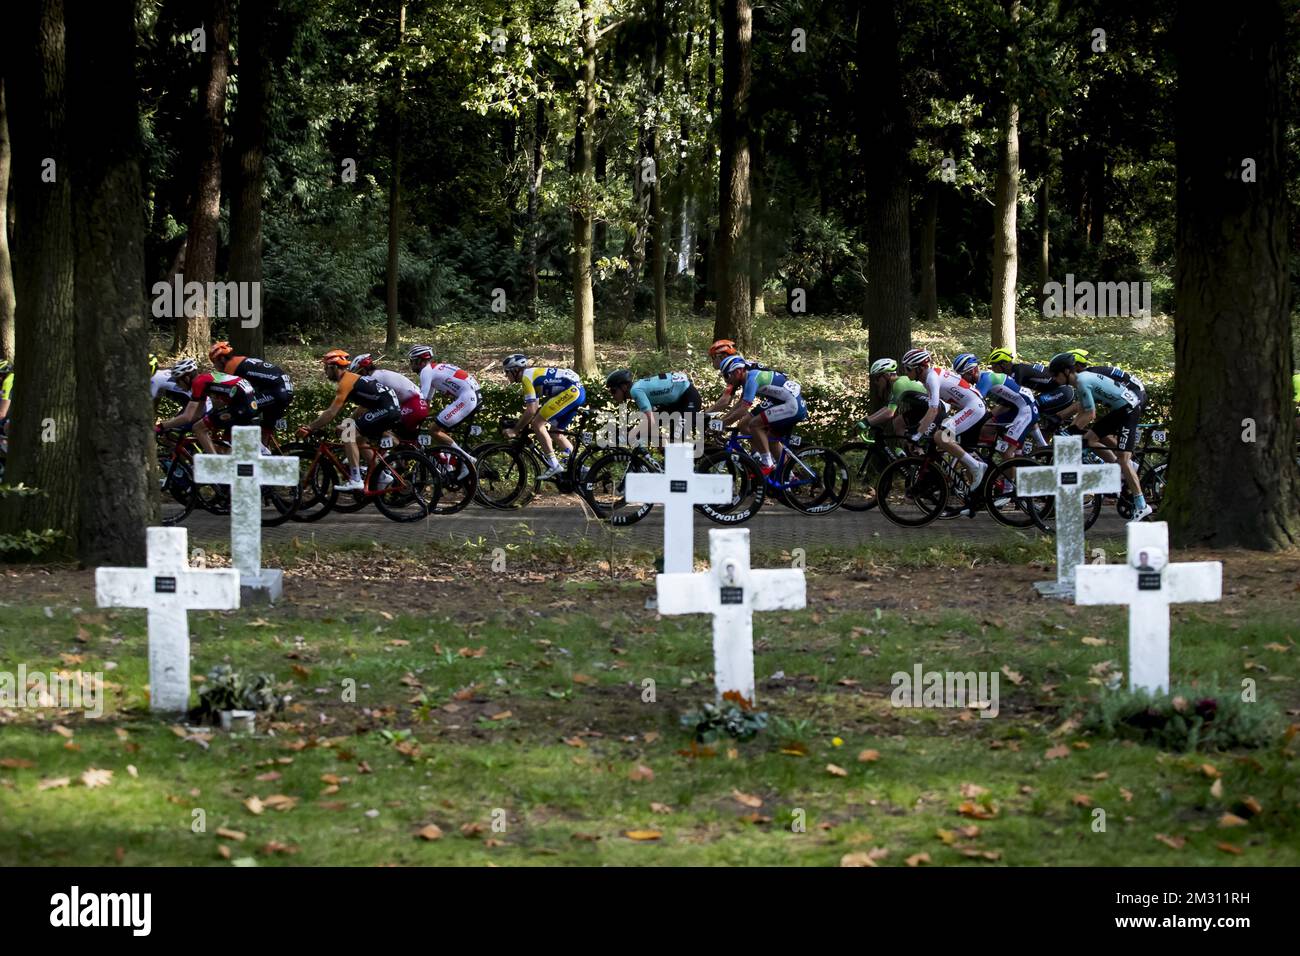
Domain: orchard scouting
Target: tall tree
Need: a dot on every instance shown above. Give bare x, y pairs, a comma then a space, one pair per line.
1232, 473
733, 319
929, 305
43, 426
1005, 194
395, 187
250, 174
191, 336
6, 268
658, 257
584, 311
108, 225
886, 139
704, 255
535, 158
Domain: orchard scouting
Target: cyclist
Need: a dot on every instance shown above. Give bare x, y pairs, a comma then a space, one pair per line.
720, 350
1124, 414
781, 408
1019, 399
6, 394
163, 384
944, 385
413, 406
447, 379
1295, 389
904, 401
552, 396
381, 412
1051, 397
274, 388
215, 401
669, 393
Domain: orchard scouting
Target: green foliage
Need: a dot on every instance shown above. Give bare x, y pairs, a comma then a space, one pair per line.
711, 722
1189, 719
227, 689
28, 544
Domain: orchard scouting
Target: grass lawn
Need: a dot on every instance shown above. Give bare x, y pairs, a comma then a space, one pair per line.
510, 712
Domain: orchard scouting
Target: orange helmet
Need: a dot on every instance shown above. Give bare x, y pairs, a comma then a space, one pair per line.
337, 357
219, 352
722, 347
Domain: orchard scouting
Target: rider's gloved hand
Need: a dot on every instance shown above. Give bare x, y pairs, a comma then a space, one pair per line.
303, 431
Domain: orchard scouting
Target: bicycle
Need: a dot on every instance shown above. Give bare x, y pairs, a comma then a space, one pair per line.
410, 493
812, 481
179, 494
508, 471
866, 458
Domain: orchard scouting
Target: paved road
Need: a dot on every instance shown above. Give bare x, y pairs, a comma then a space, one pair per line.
773, 526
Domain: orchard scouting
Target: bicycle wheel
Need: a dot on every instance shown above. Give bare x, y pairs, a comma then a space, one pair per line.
409, 483
176, 493
603, 487
502, 475
748, 487
912, 492
865, 462
814, 481
458, 478
316, 493
1001, 500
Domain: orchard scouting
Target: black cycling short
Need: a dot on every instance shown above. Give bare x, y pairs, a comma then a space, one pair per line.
373, 422
913, 406
244, 413
970, 438
274, 405
1053, 400
1122, 423
688, 403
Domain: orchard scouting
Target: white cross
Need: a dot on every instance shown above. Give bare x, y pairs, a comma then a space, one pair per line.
168, 587
679, 487
246, 470
1068, 480
731, 592
1148, 584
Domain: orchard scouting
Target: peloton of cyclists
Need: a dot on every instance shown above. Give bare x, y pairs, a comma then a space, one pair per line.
380, 411
968, 412
552, 396
668, 393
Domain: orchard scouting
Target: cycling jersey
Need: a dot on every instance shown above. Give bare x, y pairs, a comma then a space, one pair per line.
1119, 375
1034, 376
544, 383
1094, 389
446, 378
7, 387
1024, 410
902, 385
1295, 386
266, 379
222, 389
402, 386
771, 385
660, 391
365, 392
945, 385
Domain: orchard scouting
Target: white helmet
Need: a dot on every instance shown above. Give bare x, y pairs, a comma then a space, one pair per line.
915, 358
185, 366
515, 363
883, 366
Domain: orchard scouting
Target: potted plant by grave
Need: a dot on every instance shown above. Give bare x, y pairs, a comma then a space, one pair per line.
233, 700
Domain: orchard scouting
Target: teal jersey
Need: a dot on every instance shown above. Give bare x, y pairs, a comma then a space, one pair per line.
1094, 390
657, 390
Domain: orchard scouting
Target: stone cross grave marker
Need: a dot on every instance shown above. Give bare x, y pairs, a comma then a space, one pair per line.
1148, 584
1068, 480
168, 587
246, 470
679, 488
731, 591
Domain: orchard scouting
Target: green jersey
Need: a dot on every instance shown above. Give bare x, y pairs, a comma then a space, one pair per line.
902, 385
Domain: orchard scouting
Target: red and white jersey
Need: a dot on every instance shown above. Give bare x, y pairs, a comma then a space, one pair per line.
398, 382
446, 378
943, 384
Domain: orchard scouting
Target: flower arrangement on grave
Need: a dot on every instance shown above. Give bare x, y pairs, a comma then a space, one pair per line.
1188, 720
733, 718
227, 689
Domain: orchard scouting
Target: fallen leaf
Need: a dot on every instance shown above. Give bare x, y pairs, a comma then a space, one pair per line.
16, 763
1012, 676
857, 859
1127, 794
1209, 770
1057, 752
916, 859
583, 679
973, 790
504, 715
868, 756
472, 829
54, 783
275, 846
977, 811
947, 836
1229, 848
268, 777
254, 805
330, 778
1103, 775
747, 799
643, 834
575, 742
472, 652
223, 851
1216, 789
585, 837
1232, 820
430, 832
93, 778
1094, 641
1174, 843
660, 808
641, 772
237, 835
278, 801
61, 730
1253, 805
1081, 800
835, 771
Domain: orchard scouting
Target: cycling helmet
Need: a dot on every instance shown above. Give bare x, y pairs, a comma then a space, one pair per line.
153, 364
732, 364
964, 361
5, 367
1080, 356
219, 351
336, 357
1062, 362
1001, 355
915, 358
722, 347
362, 364
619, 377
419, 352
186, 366
515, 363
883, 366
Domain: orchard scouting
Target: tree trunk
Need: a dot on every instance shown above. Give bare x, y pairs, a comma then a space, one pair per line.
108, 218
1096, 185
733, 320
1044, 236
704, 252
584, 334
536, 164
395, 192
1005, 191
250, 142
886, 140
43, 425
6, 268
929, 250
758, 210
192, 332
657, 257
600, 227
678, 248
1232, 474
